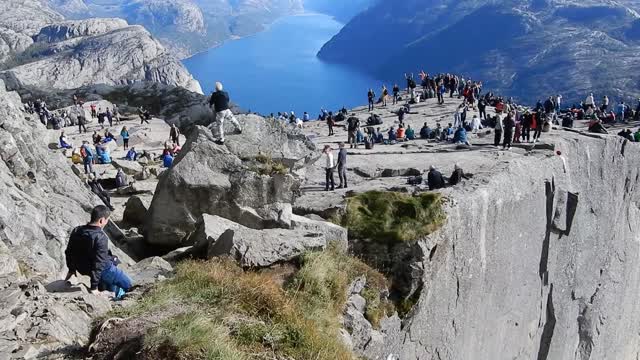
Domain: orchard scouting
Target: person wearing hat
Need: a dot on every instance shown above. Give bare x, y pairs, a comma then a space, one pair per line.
457, 175
435, 180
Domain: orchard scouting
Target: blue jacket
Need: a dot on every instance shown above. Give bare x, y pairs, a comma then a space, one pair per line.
88, 253
460, 136
167, 161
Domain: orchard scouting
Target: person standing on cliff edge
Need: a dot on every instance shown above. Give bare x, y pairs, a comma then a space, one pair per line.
219, 102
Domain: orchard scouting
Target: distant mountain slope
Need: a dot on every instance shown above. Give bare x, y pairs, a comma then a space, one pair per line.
186, 26
528, 49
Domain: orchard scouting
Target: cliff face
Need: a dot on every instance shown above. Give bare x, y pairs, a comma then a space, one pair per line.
538, 263
71, 54
527, 49
41, 199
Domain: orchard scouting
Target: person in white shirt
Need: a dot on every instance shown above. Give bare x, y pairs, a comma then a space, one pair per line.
329, 166
589, 101
475, 124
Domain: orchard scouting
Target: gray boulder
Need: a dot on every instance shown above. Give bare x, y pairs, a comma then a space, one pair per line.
132, 168
262, 248
135, 210
149, 271
78, 28
208, 229
207, 178
330, 231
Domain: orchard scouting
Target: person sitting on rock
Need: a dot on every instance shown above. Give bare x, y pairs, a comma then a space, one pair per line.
595, 126
460, 136
435, 180
88, 254
476, 124
636, 136
400, 133
103, 155
97, 139
425, 132
378, 137
96, 188
108, 136
167, 160
447, 134
457, 175
410, 133
121, 179
132, 154
627, 134
392, 135
219, 102
64, 143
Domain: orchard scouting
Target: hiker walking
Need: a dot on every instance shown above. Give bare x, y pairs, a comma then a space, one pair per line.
219, 102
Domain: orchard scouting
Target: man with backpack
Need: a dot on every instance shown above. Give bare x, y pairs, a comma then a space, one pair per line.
88, 254
87, 157
353, 124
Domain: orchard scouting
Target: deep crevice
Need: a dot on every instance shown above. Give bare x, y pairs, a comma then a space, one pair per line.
550, 189
548, 329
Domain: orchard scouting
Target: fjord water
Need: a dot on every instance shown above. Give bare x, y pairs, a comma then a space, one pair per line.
277, 70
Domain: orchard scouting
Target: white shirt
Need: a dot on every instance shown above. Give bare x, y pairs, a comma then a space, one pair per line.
475, 124
329, 164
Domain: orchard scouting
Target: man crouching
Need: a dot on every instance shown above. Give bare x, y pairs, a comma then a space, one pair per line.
88, 254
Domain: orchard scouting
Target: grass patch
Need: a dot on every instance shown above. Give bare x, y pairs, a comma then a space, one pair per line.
230, 313
393, 217
264, 164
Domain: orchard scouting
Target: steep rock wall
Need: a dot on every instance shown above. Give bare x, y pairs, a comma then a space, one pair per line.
539, 263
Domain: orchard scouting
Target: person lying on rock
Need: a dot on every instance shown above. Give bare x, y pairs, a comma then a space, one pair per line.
96, 188
219, 102
88, 254
457, 175
435, 180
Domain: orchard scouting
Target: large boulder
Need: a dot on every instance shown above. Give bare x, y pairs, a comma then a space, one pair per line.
132, 168
135, 210
225, 180
261, 248
208, 229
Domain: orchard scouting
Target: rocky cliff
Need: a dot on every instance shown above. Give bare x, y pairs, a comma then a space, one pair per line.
46, 51
538, 263
527, 49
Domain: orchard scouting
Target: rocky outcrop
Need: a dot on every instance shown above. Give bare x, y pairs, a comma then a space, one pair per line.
262, 248
540, 262
109, 53
228, 180
73, 29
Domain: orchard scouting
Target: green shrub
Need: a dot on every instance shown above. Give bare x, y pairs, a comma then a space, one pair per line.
393, 217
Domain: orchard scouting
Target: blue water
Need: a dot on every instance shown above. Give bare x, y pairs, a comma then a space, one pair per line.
277, 70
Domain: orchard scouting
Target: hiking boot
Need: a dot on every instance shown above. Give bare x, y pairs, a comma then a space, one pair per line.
339, 187
219, 142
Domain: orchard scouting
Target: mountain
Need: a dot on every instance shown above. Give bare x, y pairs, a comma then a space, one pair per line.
38, 47
525, 48
342, 10
186, 26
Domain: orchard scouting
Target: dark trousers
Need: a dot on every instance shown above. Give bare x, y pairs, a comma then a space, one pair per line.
526, 133
143, 120
330, 182
440, 98
483, 113
80, 127
508, 137
176, 140
126, 143
106, 199
370, 104
88, 166
452, 91
395, 99
330, 129
497, 137
342, 175
537, 132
